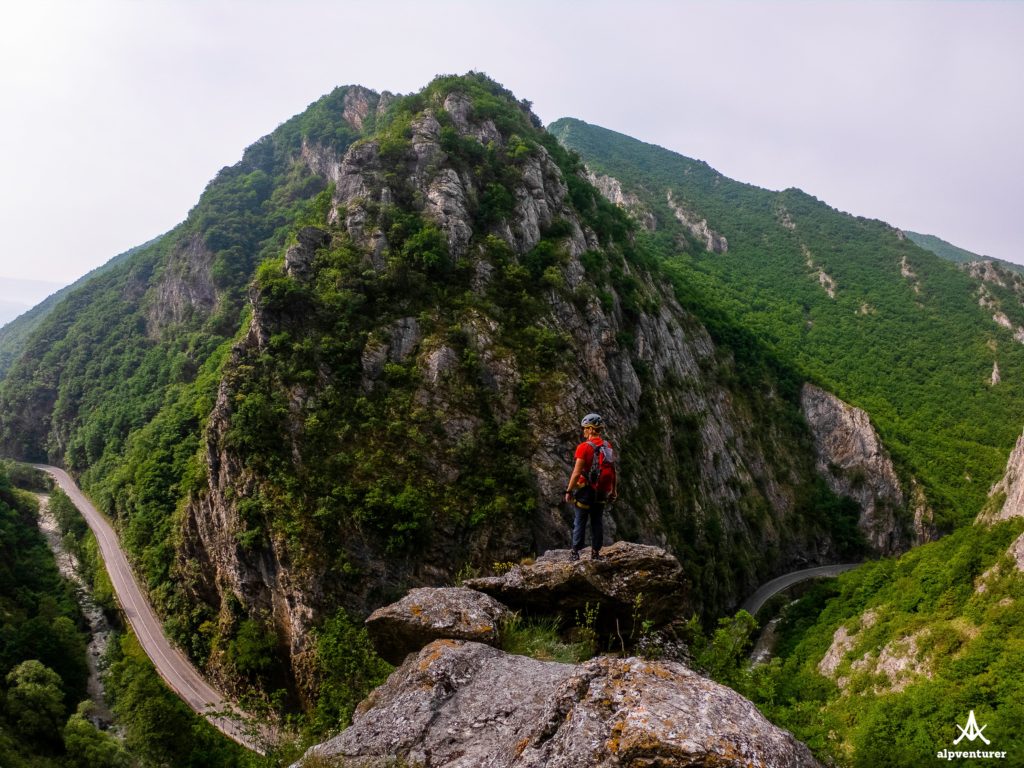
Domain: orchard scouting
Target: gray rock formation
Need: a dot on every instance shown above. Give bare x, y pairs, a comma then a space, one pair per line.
711, 453
713, 241
185, 288
630, 582
298, 259
612, 190
429, 614
466, 705
1006, 497
855, 464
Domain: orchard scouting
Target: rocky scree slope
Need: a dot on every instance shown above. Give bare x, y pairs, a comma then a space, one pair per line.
359, 364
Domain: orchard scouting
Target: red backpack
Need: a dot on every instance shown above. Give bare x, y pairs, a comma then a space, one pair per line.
601, 475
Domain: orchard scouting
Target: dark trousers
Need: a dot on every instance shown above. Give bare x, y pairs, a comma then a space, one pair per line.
579, 526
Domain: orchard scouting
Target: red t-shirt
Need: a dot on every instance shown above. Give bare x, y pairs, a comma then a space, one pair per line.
585, 451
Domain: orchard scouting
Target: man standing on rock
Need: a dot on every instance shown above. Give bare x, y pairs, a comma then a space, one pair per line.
592, 483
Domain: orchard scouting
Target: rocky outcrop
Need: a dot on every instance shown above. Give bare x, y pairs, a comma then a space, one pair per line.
466, 705
843, 641
911, 276
632, 582
429, 614
854, 463
986, 271
1006, 497
890, 667
1014, 555
711, 451
298, 259
185, 289
713, 241
611, 189
825, 280
925, 529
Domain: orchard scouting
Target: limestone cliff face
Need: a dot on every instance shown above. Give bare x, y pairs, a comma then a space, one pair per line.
612, 190
185, 288
705, 466
713, 241
855, 464
1006, 498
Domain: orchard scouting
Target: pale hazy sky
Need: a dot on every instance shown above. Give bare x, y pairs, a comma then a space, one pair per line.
115, 114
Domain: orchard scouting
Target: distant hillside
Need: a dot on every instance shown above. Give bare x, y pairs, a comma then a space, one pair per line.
850, 302
14, 334
949, 251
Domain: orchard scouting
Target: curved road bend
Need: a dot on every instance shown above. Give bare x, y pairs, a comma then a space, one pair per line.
172, 665
756, 601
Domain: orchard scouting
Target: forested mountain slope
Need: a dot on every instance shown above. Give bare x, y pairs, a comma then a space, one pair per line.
359, 365
15, 334
930, 351
947, 250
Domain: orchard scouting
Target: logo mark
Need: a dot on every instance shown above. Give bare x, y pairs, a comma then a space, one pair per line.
971, 731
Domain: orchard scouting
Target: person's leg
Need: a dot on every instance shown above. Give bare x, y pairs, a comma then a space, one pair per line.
596, 527
578, 529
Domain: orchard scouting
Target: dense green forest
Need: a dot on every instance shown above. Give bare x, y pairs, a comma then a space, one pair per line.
43, 670
207, 348
15, 334
951, 611
952, 252
118, 382
916, 352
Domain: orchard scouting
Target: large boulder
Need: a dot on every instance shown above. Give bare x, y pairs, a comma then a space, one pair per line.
631, 583
429, 614
467, 705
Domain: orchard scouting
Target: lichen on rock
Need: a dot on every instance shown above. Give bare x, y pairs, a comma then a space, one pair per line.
467, 705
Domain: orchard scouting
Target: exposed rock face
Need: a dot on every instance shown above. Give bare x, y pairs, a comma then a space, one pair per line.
612, 190
185, 288
632, 580
986, 271
1006, 498
996, 377
429, 614
708, 450
713, 241
298, 259
216, 567
466, 705
899, 661
907, 272
1016, 556
825, 280
924, 516
854, 463
892, 667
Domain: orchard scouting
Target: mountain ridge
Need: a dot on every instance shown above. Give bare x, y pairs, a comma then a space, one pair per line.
827, 292
359, 364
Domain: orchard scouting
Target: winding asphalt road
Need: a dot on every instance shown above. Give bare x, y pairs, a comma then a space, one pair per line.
768, 590
170, 663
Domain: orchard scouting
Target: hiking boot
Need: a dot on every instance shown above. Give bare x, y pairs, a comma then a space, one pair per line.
574, 556
596, 555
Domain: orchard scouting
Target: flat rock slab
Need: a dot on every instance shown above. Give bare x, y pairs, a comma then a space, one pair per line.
466, 705
630, 582
429, 614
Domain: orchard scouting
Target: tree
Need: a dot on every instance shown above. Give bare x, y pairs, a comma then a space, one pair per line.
89, 747
35, 701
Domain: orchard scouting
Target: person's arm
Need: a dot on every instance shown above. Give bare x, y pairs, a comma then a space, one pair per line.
576, 472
